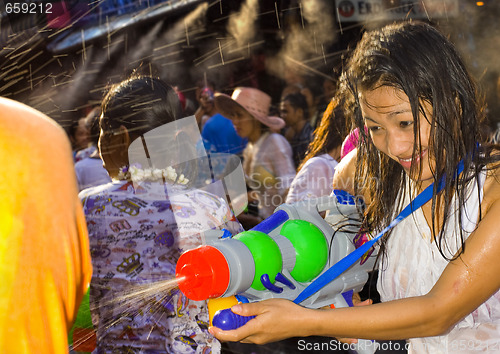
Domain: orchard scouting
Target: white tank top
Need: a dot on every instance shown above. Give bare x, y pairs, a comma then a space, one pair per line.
414, 264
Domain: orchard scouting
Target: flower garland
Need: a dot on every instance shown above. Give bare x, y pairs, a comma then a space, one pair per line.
137, 174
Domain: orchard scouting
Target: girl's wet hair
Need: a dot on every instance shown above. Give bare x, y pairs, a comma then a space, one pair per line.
417, 59
141, 104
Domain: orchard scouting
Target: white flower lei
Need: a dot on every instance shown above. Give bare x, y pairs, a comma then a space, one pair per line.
137, 174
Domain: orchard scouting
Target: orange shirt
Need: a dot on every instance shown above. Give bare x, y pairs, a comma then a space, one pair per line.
45, 263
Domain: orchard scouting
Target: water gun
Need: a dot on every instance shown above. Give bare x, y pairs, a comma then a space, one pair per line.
279, 258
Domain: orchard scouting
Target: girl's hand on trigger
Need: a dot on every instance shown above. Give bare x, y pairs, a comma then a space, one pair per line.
276, 319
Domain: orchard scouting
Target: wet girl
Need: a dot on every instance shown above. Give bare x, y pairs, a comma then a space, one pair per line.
439, 268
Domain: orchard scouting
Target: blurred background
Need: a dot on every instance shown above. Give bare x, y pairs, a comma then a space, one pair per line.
60, 56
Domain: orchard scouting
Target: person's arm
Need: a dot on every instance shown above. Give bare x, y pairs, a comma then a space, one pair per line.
465, 284
78, 173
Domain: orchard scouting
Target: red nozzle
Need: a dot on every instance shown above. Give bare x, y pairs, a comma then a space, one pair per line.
203, 273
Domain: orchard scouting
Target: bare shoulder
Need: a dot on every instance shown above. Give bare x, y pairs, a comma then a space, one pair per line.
344, 173
491, 189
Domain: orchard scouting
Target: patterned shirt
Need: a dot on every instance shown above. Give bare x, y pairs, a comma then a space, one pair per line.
136, 235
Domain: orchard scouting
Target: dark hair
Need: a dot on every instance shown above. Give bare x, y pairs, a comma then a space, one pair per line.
420, 61
298, 101
73, 127
330, 132
92, 120
140, 104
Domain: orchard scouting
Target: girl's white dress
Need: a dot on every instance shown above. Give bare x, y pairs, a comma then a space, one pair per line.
414, 265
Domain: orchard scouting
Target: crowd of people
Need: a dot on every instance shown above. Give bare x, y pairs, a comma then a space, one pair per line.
404, 114
272, 140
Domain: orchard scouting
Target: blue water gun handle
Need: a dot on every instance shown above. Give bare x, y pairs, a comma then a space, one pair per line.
227, 320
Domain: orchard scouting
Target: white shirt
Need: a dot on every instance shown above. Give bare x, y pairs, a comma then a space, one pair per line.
414, 264
314, 179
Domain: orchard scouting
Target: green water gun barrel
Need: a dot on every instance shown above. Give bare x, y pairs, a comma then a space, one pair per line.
266, 254
311, 249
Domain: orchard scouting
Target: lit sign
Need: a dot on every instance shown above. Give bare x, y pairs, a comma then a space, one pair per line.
376, 10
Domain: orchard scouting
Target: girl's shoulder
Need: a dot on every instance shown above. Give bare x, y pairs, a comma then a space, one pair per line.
345, 171
491, 188
99, 190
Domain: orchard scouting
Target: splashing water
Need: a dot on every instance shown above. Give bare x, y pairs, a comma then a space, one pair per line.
150, 300
147, 291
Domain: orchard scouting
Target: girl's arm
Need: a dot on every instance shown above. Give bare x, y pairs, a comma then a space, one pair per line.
465, 284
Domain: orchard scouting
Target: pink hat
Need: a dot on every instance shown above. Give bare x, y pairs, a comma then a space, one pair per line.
254, 101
